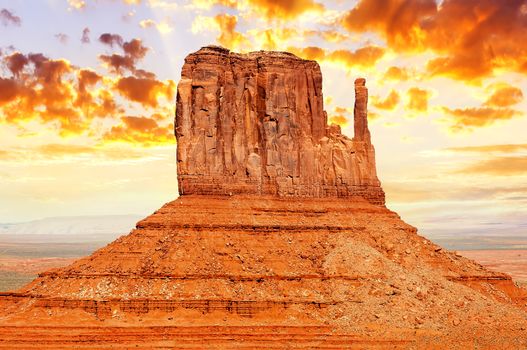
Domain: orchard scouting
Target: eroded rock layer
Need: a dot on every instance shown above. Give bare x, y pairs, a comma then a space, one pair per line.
255, 124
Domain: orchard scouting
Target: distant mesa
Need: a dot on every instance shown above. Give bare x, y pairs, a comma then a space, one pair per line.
255, 124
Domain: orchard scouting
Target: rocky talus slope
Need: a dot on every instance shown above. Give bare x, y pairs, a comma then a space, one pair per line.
294, 257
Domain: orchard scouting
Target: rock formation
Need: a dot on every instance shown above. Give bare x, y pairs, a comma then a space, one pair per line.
273, 265
255, 124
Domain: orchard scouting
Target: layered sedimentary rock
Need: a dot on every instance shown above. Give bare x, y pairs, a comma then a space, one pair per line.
267, 272
255, 124
280, 270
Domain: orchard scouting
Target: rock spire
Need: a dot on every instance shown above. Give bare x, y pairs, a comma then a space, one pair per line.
362, 133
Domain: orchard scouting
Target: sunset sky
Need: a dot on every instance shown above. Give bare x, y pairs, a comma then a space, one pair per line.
87, 98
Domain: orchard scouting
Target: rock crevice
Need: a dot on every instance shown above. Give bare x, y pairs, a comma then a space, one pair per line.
255, 124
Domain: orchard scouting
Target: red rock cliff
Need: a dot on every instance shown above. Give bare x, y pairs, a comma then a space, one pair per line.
255, 124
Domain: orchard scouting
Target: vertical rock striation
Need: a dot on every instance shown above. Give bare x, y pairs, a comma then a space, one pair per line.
255, 124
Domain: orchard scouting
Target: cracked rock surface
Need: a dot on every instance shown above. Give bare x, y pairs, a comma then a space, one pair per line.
255, 124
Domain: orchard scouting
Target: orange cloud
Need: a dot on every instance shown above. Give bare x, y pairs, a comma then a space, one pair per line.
141, 130
10, 90
505, 96
86, 79
145, 91
396, 73
45, 93
77, 4
229, 37
284, 9
499, 166
61, 151
469, 118
330, 35
389, 103
418, 99
67, 99
397, 20
373, 116
147, 23
210, 3
460, 67
163, 27
333, 36
309, 53
364, 57
273, 39
508, 148
270, 9
81, 5
338, 119
473, 38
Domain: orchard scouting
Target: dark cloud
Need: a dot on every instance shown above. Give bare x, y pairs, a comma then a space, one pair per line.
63, 38
16, 63
134, 51
111, 39
85, 39
8, 18
116, 63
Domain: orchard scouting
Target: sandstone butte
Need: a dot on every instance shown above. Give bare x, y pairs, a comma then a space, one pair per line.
280, 238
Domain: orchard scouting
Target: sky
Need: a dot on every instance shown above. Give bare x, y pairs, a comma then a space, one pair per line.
87, 99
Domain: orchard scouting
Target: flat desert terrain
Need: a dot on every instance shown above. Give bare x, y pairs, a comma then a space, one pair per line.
21, 262
513, 262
